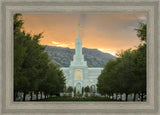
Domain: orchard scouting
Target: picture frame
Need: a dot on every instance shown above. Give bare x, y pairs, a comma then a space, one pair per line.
10, 7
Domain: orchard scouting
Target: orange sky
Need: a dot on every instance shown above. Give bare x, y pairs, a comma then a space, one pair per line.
107, 32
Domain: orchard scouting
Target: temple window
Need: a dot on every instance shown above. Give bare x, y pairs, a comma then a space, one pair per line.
78, 75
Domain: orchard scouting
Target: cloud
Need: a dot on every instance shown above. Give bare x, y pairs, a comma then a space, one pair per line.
55, 42
59, 44
62, 45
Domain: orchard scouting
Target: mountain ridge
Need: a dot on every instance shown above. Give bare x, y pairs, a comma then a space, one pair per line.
63, 56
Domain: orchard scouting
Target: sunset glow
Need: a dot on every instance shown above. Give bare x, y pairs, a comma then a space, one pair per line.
108, 51
58, 44
55, 42
105, 32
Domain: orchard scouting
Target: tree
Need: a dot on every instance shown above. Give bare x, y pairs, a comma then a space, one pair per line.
21, 82
18, 23
140, 70
18, 59
86, 89
54, 81
117, 75
33, 70
140, 60
127, 73
142, 31
70, 89
126, 69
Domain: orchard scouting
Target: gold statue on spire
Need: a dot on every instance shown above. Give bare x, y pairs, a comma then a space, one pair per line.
78, 22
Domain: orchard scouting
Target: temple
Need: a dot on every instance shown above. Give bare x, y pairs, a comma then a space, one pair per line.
78, 75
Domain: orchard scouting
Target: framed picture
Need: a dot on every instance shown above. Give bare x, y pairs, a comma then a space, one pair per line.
80, 57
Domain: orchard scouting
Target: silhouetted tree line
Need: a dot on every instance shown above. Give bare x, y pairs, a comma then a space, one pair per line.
127, 73
33, 70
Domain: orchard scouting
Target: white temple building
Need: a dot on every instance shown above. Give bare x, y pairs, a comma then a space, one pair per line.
78, 74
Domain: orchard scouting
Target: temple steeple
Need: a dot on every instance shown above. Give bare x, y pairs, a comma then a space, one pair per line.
79, 29
78, 58
78, 46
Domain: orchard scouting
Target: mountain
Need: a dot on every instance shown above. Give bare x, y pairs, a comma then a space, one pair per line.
63, 56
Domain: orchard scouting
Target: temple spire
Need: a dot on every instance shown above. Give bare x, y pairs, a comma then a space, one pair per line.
78, 28
78, 58
78, 42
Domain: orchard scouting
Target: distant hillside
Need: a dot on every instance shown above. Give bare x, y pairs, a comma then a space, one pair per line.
63, 56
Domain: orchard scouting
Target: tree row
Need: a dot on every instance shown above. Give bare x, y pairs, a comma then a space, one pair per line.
127, 73
33, 70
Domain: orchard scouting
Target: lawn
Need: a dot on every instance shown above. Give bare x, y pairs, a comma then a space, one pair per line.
77, 99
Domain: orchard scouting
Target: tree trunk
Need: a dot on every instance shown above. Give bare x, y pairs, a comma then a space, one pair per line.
45, 96
36, 96
121, 97
112, 96
142, 97
116, 96
109, 96
15, 95
41, 94
139, 95
126, 96
31, 96
134, 97
24, 96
